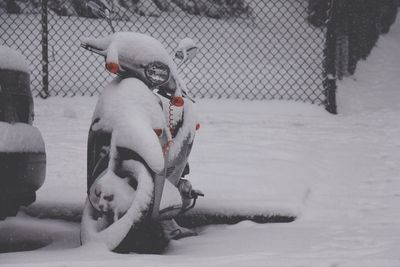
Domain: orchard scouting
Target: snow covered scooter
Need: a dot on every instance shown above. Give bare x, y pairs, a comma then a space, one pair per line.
139, 141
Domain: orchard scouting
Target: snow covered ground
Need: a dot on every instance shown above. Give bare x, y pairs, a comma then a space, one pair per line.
339, 174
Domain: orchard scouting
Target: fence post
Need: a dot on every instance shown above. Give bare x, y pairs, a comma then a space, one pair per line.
45, 53
329, 62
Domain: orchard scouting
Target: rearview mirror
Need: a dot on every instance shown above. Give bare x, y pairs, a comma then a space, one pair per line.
187, 50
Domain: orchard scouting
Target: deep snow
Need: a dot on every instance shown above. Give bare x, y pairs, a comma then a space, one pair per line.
339, 174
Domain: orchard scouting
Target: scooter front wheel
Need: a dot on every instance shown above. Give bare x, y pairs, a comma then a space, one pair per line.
134, 231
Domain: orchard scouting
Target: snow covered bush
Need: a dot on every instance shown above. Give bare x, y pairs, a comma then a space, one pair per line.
357, 24
124, 9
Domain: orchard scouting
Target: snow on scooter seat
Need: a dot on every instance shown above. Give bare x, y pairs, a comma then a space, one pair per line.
133, 48
12, 60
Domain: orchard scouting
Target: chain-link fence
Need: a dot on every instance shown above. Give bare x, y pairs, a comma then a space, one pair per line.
251, 49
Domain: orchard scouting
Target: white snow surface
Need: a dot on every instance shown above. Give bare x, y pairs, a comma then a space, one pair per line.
20, 137
10, 59
339, 174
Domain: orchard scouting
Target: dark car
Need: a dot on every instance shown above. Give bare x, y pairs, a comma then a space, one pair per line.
22, 150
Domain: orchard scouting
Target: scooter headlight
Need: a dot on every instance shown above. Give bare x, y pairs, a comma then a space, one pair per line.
157, 73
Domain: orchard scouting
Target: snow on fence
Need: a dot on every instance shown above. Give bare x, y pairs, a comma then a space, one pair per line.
250, 49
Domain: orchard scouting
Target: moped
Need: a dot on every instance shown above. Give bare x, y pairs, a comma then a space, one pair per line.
140, 138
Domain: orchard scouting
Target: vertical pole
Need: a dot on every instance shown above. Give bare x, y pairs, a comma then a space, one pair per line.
329, 61
45, 53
